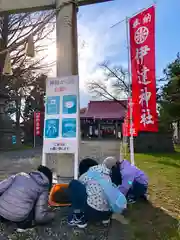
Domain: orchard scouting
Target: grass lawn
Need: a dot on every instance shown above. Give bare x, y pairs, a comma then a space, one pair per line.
161, 218
157, 220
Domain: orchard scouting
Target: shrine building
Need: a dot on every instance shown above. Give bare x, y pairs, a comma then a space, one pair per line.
102, 119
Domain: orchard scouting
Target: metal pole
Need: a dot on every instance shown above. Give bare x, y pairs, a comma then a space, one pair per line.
43, 153
34, 129
134, 14
130, 97
34, 140
124, 146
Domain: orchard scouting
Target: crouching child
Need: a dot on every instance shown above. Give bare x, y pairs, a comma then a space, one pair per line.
133, 181
94, 197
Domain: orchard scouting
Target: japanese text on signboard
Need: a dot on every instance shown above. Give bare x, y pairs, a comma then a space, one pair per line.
37, 122
60, 85
142, 48
61, 115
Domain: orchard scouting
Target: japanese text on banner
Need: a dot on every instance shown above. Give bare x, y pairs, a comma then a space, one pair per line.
142, 48
127, 128
37, 123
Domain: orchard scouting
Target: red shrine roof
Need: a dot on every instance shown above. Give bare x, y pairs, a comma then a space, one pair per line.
105, 110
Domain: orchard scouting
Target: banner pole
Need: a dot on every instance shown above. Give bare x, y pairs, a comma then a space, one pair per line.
125, 145
134, 14
131, 139
43, 158
34, 129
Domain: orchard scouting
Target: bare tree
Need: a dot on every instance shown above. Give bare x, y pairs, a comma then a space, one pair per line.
14, 30
113, 86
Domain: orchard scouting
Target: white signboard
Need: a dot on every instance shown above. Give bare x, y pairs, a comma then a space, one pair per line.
61, 124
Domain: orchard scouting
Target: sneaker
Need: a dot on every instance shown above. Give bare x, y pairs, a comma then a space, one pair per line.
21, 230
131, 201
105, 222
82, 224
79, 222
73, 220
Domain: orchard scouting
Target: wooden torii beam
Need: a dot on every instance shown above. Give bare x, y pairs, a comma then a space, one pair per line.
66, 37
30, 6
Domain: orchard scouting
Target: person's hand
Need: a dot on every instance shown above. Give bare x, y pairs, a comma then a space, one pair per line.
120, 218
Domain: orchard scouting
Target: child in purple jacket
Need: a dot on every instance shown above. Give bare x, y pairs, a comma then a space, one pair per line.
133, 183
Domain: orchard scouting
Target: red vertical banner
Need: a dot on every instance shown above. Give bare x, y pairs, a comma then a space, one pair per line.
37, 123
127, 124
142, 49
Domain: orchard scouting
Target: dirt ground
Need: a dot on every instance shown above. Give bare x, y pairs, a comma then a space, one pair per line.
27, 160
144, 220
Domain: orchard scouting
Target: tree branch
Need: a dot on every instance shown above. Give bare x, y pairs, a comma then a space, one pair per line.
102, 88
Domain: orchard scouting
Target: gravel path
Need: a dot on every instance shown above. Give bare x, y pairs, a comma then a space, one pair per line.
59, 230
55, 231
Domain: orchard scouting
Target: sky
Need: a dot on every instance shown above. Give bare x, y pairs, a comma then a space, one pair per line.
99, 41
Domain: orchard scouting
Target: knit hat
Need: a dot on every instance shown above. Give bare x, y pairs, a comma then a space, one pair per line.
110, 162
85, 164
47, 172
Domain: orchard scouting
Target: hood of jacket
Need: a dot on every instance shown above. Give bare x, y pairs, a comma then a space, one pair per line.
101, 168
40, 178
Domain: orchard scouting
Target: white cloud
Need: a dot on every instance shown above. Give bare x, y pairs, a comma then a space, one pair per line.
98, 41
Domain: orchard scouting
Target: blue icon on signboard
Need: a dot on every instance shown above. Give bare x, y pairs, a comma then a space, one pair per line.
69, 127
69, 104
52, 128
53, 105
13, 139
